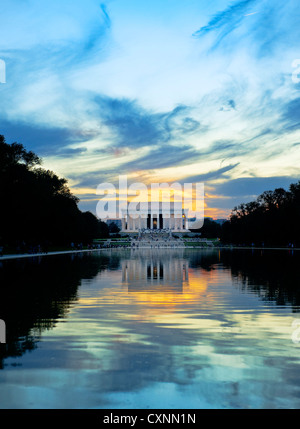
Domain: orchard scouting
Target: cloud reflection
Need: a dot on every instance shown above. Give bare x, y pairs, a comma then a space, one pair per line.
196, 328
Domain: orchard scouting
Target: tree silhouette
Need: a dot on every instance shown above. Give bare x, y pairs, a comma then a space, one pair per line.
37, 206
272, 219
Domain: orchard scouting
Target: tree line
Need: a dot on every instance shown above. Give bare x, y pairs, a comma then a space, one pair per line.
272, 219
37, 206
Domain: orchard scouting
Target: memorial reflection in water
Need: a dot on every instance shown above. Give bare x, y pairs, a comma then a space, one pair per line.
186, 328
155, 269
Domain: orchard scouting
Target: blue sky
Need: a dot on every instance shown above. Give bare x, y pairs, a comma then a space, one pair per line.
160, 91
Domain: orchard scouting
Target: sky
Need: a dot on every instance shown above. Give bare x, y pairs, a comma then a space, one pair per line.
160, 91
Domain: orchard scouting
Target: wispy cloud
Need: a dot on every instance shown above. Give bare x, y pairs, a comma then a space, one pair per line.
291, 114
252, 13
134, 126
46, 141
99, 89
227, 19
212, 175
163, 157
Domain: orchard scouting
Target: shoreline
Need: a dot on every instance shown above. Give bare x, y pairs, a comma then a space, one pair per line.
59, 252
66, 252
245, 248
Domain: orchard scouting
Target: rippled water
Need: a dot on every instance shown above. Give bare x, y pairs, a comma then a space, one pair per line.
151, 329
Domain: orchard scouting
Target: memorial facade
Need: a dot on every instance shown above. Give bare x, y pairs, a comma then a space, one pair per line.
155, 270
174, 219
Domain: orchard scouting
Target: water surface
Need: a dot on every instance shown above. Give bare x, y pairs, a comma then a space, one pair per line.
151, 329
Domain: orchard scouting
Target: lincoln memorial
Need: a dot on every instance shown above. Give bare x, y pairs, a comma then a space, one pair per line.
155, 270
157, 218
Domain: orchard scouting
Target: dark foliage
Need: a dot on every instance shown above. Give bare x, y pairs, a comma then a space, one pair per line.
272, 219
37, 206
113, 228
210, 229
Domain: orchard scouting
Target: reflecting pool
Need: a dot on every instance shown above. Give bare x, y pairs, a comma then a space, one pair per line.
151, 328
